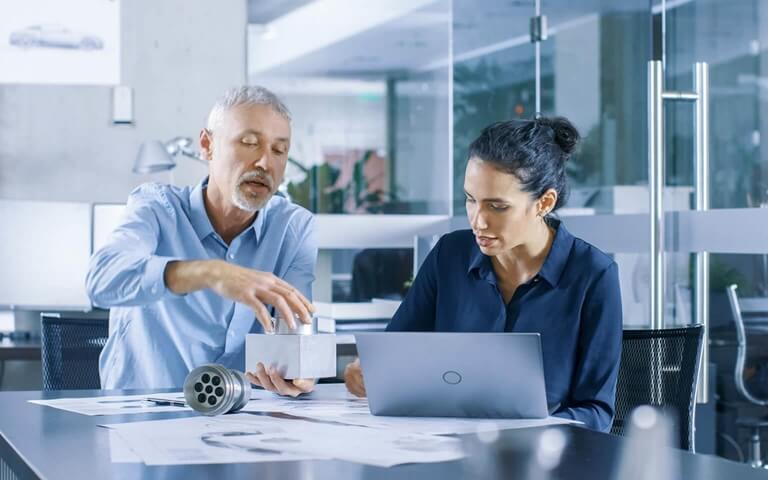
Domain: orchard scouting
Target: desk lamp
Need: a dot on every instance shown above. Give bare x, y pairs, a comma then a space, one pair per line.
155, 156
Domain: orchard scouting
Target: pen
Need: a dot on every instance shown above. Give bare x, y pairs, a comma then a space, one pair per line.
166, 402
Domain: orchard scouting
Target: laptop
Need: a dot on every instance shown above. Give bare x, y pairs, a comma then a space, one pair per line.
439, 374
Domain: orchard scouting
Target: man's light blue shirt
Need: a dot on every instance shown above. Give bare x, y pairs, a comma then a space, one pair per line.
157, 337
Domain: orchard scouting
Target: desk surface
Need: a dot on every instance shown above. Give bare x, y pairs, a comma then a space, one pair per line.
19, 349
45, 442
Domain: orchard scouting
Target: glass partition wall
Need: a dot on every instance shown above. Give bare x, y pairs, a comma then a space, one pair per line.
669, 97
369, 86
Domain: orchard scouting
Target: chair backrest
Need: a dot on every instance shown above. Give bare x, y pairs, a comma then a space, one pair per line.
70, 351
739, 309
660, 368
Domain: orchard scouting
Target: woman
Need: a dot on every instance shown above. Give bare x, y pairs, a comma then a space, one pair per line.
519, 270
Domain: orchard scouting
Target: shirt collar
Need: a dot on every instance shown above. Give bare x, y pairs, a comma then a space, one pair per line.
558, 255
199, 216
553, 266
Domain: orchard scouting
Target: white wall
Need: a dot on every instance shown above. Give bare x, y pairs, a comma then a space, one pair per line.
57, 143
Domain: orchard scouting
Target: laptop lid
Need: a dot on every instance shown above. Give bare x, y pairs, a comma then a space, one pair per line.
441, 374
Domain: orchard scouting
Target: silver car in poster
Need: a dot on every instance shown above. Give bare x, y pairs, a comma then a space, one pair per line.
54, 36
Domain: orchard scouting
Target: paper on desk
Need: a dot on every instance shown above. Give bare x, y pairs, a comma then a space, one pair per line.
119, 451
351, 410
198, 440
110, 405
434, 425
254, 438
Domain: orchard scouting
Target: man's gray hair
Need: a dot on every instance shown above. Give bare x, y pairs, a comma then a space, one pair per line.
245, 95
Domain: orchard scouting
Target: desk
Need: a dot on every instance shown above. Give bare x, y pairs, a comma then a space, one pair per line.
45, 442
19, 349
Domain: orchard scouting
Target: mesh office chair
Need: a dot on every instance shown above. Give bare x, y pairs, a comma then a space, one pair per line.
660, 368
70, 351
741, 308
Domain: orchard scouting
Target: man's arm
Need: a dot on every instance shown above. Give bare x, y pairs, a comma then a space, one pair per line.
593, 390
126, 271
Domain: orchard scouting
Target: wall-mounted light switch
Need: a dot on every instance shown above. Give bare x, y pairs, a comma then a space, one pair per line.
122, 105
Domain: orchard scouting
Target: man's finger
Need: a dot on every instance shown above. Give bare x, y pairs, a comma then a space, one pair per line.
306, 385
285, 312
264, 379
283, 387
262, 314
296, 305
307, 304
252, 378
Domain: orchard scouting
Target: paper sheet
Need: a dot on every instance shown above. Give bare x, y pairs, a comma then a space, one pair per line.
110, 405
119, 451
258, 438
351, 410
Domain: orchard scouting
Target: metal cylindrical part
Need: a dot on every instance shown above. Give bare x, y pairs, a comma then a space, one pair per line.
213, 389
656, 188
701, 121
281, 327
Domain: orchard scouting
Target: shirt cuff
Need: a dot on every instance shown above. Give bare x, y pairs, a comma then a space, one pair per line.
153, 282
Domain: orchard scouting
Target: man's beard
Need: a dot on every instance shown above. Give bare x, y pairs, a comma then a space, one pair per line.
248, 201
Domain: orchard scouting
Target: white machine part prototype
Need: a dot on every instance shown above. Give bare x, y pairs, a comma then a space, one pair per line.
299, 353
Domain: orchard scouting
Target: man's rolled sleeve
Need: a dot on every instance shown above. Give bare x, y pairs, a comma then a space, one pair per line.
153, 281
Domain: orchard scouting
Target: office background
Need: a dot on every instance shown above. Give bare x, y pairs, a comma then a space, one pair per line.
386, 97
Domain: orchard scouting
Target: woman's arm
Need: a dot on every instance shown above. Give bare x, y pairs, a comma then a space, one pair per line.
593, 387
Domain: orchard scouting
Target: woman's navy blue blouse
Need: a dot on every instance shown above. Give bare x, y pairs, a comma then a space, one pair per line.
574, 302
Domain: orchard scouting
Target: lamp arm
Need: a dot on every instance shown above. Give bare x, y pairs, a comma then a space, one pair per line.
193, 155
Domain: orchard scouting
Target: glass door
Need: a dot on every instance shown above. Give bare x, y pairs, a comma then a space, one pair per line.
586, 61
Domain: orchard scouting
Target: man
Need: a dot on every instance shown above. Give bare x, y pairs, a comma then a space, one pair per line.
187, 269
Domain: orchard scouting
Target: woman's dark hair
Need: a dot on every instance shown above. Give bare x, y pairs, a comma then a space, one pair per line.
534, 151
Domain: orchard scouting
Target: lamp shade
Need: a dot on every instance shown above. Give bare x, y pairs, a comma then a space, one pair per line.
153, 157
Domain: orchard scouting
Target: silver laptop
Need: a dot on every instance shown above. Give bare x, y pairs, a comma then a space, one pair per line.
436, 374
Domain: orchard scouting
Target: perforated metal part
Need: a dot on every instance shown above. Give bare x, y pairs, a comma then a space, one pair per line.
214, 390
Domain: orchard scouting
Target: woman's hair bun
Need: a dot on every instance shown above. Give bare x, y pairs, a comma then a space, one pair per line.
566, 135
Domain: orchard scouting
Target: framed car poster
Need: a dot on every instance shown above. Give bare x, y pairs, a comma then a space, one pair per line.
76, 42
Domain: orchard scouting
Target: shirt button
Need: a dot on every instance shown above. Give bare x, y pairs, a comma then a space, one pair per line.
154, 289
536, 279
231, 255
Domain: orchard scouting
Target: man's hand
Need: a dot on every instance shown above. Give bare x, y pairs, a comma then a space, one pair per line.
243, 285
353, 378
271, 380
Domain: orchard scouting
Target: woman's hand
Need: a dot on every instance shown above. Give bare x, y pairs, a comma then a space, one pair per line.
353, 378
271, 380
